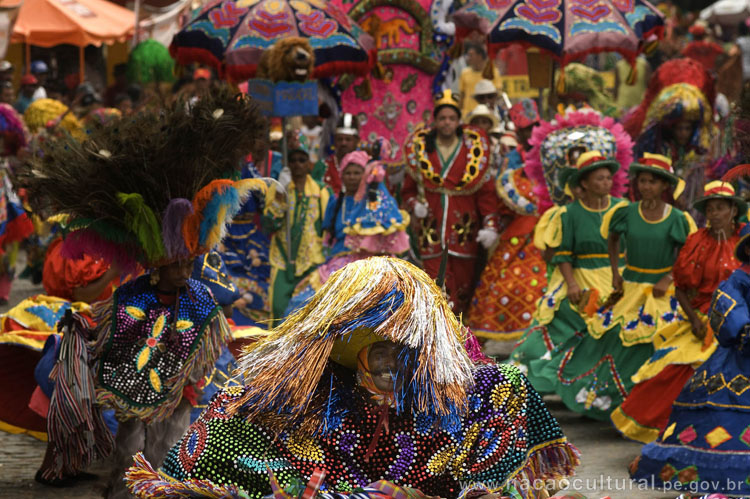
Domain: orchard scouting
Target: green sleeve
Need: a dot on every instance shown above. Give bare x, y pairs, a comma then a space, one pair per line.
681, 228
319, 171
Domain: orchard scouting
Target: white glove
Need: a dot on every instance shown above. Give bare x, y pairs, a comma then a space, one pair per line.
420, 210
285, 176
487, 237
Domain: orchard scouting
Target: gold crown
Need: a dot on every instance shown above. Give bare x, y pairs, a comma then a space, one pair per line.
446, 98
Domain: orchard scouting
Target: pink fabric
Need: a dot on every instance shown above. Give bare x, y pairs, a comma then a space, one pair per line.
336, 263
374, 172
392, 244
474, 349
399, 103
39, 402
357, 157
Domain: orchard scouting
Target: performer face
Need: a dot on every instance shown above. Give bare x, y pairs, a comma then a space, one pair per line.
650, 186
482, 122
446, 122
299, 164
524, 134
682, 132
597, 182
384, 366
174, 276
720, 214
351, 177
344, 144
489, 100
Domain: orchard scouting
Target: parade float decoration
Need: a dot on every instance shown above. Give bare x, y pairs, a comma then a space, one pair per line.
411, 37
232, 36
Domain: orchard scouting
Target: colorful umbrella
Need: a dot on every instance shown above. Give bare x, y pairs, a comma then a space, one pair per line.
567, 29
231, 36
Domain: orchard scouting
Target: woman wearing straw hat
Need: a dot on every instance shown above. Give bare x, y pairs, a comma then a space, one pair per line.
705, 444
643, 299
706, 259
582, 274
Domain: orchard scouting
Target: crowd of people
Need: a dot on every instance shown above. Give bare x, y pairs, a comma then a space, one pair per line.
236, 309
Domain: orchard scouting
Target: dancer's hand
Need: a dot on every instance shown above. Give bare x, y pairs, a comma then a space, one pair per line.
574, 293
487, 237
616, 283
698, 327
661, 287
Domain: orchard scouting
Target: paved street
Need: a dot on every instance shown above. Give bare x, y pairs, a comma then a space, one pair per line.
603, 472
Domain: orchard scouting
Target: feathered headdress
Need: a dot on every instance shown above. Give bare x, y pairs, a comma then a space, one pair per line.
680, 89
153, 188
369, 300
552, 141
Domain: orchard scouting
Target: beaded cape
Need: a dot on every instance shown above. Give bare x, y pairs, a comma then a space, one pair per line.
300, 410
505, 436
147, 351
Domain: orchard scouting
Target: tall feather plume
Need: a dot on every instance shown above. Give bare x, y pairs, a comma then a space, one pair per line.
736, 172
142, 222
174, 216
160, 156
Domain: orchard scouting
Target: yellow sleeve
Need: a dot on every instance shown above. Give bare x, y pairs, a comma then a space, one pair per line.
691, 223
548, 230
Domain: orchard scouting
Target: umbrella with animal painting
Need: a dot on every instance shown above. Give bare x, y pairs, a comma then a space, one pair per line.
568, 30
232, 35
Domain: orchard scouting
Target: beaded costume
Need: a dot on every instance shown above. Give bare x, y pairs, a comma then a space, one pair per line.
142, 193
705, 444
455, 422
515, 275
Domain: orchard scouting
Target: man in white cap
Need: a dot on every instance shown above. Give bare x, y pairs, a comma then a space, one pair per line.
483, 117
345, 140
486, 93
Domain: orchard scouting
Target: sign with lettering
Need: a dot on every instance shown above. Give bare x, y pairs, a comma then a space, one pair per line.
285, 98
518, 87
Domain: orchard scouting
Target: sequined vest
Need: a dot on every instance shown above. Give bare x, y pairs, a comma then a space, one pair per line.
147, 345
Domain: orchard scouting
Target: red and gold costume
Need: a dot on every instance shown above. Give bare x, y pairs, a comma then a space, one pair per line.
332, 178
461, 199
515, 275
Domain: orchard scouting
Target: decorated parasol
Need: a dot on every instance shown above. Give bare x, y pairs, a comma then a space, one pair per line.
568, 30
231, 36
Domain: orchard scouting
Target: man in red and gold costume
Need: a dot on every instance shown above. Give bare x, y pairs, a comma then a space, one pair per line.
450, 194
345, 140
